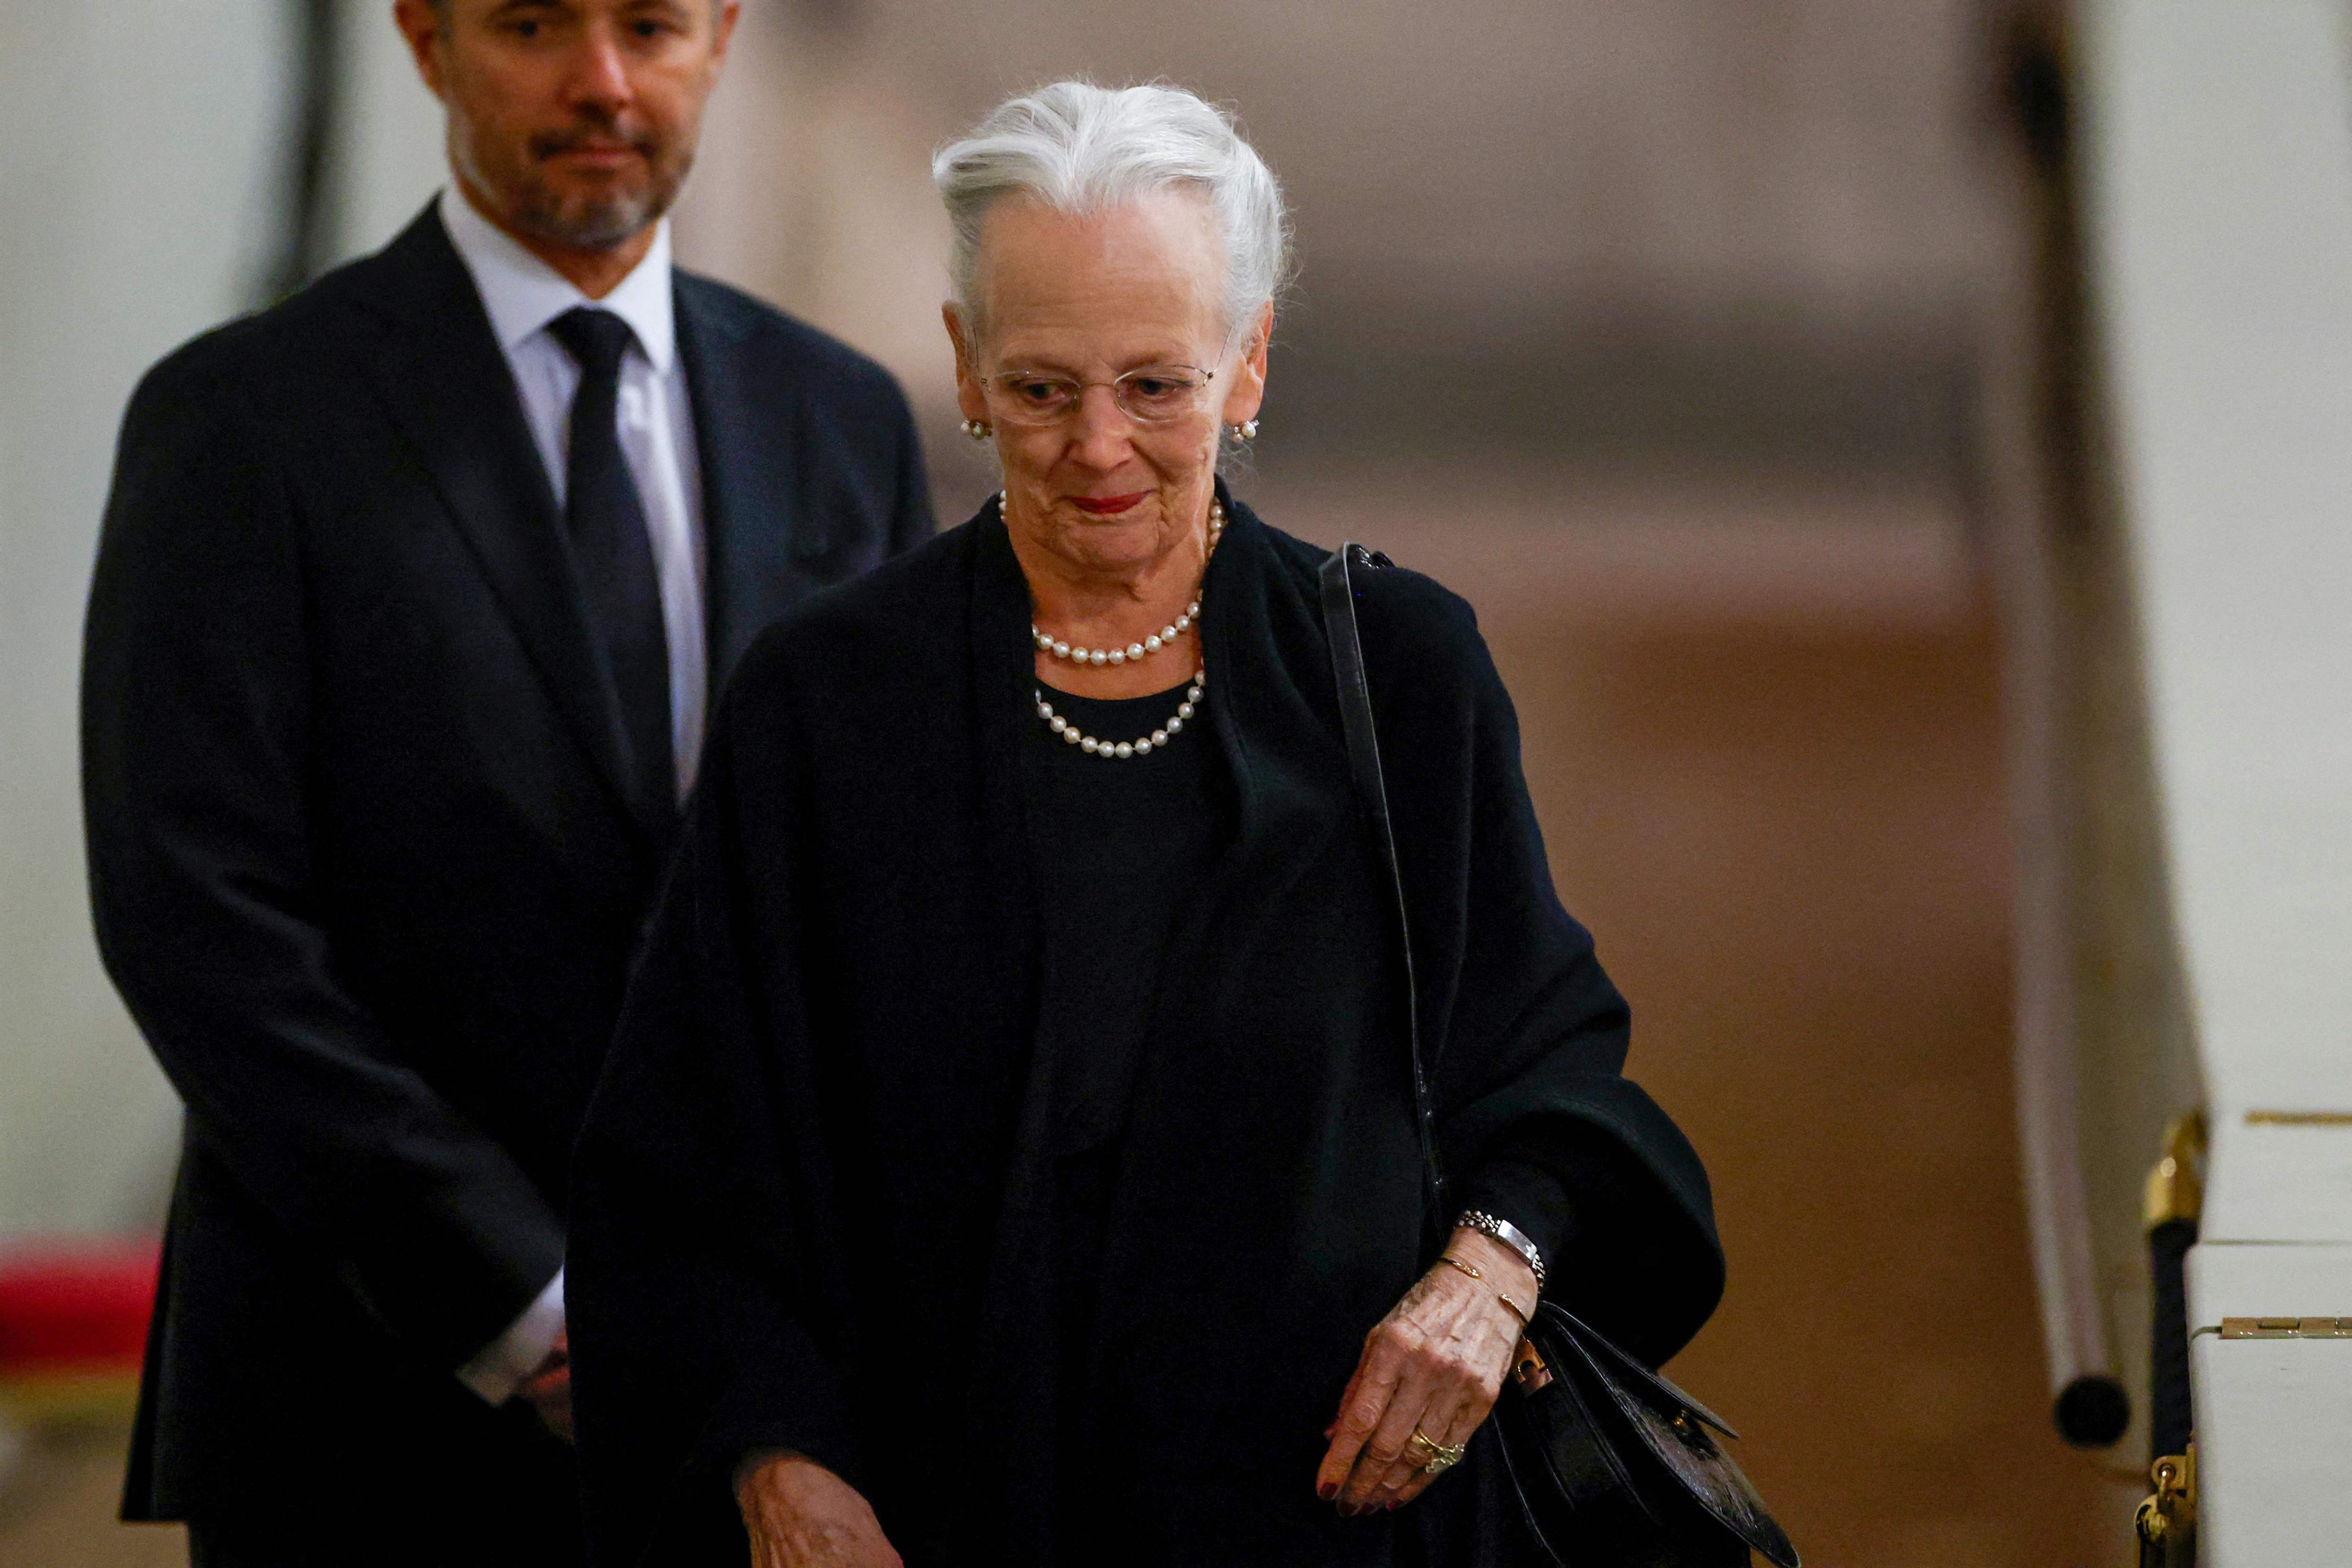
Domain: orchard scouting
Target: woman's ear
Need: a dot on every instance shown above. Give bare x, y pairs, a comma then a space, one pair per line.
970, 398
1248, 392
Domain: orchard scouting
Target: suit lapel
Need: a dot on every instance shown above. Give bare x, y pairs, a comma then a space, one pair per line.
440, 370
748, 438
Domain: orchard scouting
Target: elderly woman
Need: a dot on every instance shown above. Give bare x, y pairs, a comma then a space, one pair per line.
1010, 1155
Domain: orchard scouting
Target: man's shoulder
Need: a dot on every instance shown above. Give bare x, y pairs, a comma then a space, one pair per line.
892, 618
779, 344
272, 358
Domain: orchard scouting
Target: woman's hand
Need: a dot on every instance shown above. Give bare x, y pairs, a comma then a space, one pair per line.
1435, 1362
800, 1515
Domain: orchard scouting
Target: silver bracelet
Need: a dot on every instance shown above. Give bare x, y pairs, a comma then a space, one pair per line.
1508, 1234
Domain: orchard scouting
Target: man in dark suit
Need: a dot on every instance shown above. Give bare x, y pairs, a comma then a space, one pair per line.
411, 594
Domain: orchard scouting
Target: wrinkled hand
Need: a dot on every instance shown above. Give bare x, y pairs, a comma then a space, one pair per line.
1436, 1361
548, 1389
800, 1515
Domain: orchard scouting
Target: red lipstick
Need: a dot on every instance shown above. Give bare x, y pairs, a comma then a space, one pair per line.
1108, 506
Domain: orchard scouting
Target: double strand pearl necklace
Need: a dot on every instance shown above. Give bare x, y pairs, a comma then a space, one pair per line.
1146, 744
1136, 652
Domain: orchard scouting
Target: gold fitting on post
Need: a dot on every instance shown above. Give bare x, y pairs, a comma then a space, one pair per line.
2166, 1521
2176, 1187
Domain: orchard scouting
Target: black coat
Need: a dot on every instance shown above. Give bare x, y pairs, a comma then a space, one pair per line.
806, 1200
362, 854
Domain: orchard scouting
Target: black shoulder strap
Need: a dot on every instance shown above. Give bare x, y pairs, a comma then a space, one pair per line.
1372, 792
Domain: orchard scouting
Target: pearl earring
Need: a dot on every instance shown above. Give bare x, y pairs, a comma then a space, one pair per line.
978, 429
1245, 431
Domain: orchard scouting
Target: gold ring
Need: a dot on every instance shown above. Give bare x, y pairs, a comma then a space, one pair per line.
1440, 1457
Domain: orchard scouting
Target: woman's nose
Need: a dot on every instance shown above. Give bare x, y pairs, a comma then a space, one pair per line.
1101, 435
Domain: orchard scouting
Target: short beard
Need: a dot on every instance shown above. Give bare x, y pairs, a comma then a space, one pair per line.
593, 223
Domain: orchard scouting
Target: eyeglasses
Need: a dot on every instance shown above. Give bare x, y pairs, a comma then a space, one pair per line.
1156, 394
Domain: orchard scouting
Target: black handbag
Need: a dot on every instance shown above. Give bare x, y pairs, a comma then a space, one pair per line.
1613, 1467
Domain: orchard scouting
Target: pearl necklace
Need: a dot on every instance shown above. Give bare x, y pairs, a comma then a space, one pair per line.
1150, 743
1135, 652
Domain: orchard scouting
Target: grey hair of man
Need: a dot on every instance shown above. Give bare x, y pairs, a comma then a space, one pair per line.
1081, 148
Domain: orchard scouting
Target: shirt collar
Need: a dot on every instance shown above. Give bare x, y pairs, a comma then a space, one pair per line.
522, 294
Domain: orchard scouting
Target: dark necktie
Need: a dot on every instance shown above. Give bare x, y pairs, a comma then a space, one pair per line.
606, 519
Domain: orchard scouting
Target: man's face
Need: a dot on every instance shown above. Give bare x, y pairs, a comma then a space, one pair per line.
572, 121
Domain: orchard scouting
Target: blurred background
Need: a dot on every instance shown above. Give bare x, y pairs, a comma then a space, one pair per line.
1703, 347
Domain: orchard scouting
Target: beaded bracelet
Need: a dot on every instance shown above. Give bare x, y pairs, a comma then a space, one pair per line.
1508, 1234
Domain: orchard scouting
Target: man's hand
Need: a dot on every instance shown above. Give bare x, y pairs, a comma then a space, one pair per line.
800, 1515
549, 1389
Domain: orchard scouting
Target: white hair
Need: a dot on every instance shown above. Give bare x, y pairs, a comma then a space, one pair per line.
1079, 148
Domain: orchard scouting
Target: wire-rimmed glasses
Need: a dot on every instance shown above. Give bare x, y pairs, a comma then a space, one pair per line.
1153, 394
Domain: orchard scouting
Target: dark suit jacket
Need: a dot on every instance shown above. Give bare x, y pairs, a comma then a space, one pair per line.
362, 855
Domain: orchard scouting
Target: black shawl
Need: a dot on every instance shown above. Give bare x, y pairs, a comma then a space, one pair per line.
805, 1206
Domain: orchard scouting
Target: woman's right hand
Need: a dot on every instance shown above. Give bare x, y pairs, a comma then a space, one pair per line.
800, 1515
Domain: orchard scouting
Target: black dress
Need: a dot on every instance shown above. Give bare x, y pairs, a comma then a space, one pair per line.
1119, 846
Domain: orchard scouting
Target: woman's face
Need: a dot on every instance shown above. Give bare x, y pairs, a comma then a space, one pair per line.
1089, 299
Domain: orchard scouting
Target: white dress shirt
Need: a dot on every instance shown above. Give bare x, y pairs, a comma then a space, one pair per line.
521, 295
